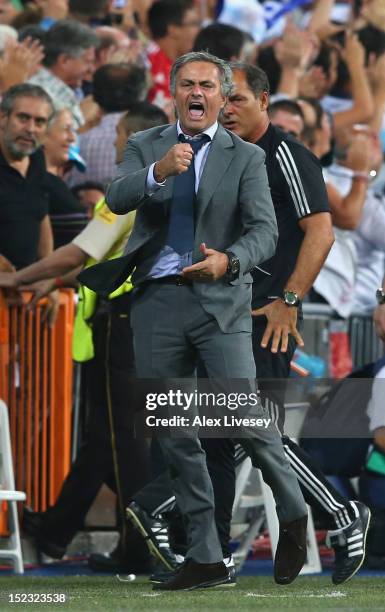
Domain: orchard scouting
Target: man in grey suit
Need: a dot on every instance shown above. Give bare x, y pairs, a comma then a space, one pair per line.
204, 219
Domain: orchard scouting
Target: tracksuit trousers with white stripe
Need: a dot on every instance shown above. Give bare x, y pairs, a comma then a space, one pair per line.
316, 489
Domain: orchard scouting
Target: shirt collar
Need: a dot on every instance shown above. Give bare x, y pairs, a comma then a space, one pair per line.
210, 131
36, 159
265, 138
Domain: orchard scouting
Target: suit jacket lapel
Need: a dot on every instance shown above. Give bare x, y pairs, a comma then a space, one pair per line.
220, 155
168, 138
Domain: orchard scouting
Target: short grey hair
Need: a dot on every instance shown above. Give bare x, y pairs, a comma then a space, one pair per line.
70, 38
225, 74
24, 90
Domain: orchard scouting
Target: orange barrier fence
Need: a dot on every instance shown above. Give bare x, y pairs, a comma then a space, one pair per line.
36, 384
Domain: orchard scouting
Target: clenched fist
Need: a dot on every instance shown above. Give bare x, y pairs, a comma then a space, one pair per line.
176, 161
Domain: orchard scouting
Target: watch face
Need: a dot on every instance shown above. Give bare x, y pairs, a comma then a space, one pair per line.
380, 295
235, 266
290, 298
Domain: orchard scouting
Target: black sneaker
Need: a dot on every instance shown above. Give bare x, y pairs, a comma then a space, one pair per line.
33, 526
155, 531
349, 545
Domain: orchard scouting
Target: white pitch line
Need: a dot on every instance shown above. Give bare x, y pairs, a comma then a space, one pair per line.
307, 595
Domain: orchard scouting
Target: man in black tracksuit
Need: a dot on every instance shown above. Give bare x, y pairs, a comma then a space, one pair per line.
305, 238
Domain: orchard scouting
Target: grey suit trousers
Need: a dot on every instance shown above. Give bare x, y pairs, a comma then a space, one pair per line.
171, 330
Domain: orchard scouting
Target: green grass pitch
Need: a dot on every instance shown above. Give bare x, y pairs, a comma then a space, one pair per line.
251, 593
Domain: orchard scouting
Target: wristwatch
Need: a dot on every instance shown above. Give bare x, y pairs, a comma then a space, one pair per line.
291, 298
233, 267
380, 296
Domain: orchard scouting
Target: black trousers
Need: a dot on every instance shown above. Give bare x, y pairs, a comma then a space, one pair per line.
110, 454
222, 456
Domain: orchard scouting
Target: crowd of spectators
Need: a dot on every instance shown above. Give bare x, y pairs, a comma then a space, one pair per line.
326, 66
76, 76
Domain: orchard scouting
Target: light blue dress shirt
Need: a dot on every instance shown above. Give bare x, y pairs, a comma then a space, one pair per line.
168, 261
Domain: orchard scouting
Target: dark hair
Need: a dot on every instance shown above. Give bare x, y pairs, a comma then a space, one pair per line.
269, 64
372, 39
224, 41
324, 57
309, 131
116, 86
357, 5
68, 37
166, 12
87, 185
225, 76
287, 105
88, 8
256, 78
142, 116
31, 15
24, 90
32, 31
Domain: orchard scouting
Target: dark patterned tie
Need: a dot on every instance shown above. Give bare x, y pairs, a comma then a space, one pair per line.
181, 224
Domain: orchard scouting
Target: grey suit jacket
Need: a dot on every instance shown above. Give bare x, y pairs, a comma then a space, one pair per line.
234, 212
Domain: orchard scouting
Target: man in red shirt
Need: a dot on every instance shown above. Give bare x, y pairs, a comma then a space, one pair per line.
174, 25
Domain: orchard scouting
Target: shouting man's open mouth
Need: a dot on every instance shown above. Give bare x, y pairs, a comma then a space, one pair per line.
196, 110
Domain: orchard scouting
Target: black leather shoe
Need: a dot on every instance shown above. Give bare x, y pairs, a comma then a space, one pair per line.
160, 577
291, 551
33, 526
349, 545
155, 531
196, 576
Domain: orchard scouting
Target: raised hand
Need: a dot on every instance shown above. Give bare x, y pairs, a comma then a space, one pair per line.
353, 52
359, 153
176, 161
295, 48
312, 83
19, 61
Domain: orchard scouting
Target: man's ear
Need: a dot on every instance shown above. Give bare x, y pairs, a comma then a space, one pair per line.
264, 100
173, 30
3, 118
63, 60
